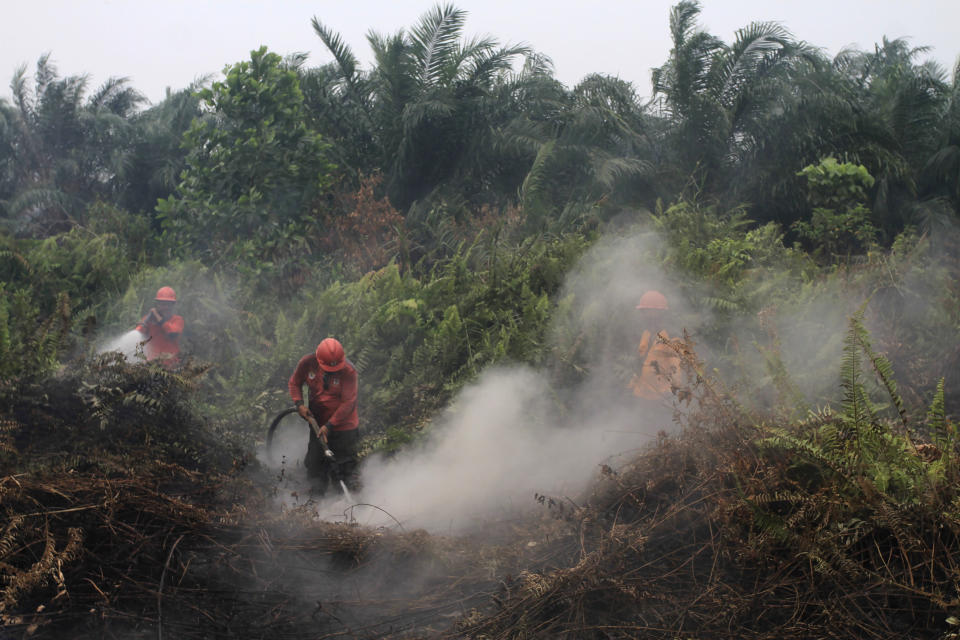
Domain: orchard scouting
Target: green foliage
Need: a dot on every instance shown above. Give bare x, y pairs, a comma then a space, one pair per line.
30, 342
466, 141
157, 155
721, 101
66, 149
88, 267
837, 185
427, 113
415, 339
55, 285
419, 340
494, 180
746, 268
132, 231
253, 167
945, 467
858, 449
840, 224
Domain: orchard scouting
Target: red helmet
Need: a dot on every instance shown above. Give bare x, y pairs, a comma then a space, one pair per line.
166, 294
330, 355
653, 300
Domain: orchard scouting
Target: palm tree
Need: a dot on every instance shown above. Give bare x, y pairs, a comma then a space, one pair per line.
941, 170
426, 107
900, 106
588, 144
66, 152
722, 101
156, 156
337, 100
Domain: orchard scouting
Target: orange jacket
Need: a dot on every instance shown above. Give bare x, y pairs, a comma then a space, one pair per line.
163, 340
333, 395
660, 363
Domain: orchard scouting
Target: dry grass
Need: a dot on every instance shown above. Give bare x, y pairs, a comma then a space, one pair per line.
709, 534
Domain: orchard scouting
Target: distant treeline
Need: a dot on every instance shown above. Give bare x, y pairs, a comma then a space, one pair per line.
468, 179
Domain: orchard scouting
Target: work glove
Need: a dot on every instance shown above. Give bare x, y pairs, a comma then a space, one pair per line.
154, 317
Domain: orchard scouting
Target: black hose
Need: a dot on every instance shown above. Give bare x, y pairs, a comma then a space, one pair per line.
271, 430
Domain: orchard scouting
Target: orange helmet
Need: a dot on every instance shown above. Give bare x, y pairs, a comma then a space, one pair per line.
653, 300
330, 355
166, 294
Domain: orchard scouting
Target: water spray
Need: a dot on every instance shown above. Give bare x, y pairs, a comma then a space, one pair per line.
126, 344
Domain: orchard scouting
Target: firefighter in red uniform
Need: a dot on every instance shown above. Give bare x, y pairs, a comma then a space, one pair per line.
332, 383
161, 329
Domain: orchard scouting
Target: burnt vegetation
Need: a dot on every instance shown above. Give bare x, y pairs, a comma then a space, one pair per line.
429, 212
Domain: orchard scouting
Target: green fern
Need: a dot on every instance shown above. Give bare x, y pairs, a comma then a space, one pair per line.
881, 366
856, 446
944, 470
857, 414
943, 431
789, 396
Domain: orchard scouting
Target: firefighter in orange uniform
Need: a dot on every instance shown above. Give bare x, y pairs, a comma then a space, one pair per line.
659, 362
161, 329
332, 383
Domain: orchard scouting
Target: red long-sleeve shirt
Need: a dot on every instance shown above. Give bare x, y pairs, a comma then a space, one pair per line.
163, 340
333, 395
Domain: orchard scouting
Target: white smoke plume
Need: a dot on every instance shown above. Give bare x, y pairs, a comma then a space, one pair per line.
518, 431
509, 436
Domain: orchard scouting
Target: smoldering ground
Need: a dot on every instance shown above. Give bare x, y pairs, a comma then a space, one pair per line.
516, 432
519, 431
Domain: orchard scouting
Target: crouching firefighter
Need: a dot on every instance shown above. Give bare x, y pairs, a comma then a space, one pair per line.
332, 383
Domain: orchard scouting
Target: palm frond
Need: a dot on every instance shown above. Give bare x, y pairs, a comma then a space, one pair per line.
434, 42
346, 61
607, 169
37, 198
18, 87
417, 112
884, 370
116, 97
392, 75
856, 407
940, 427
489, 63
683, 20
522, 135
536, 178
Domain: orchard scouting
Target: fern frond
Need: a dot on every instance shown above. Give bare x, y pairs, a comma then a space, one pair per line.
17, 258
942, 430
857, 413
884, 371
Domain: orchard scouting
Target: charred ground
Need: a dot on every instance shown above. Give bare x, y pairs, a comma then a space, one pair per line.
150, 524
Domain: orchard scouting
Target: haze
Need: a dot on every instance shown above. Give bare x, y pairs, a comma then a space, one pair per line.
169, 44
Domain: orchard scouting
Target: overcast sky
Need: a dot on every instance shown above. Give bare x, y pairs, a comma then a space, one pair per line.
170, 43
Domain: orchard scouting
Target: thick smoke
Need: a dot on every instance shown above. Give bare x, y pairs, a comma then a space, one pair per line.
519, 431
